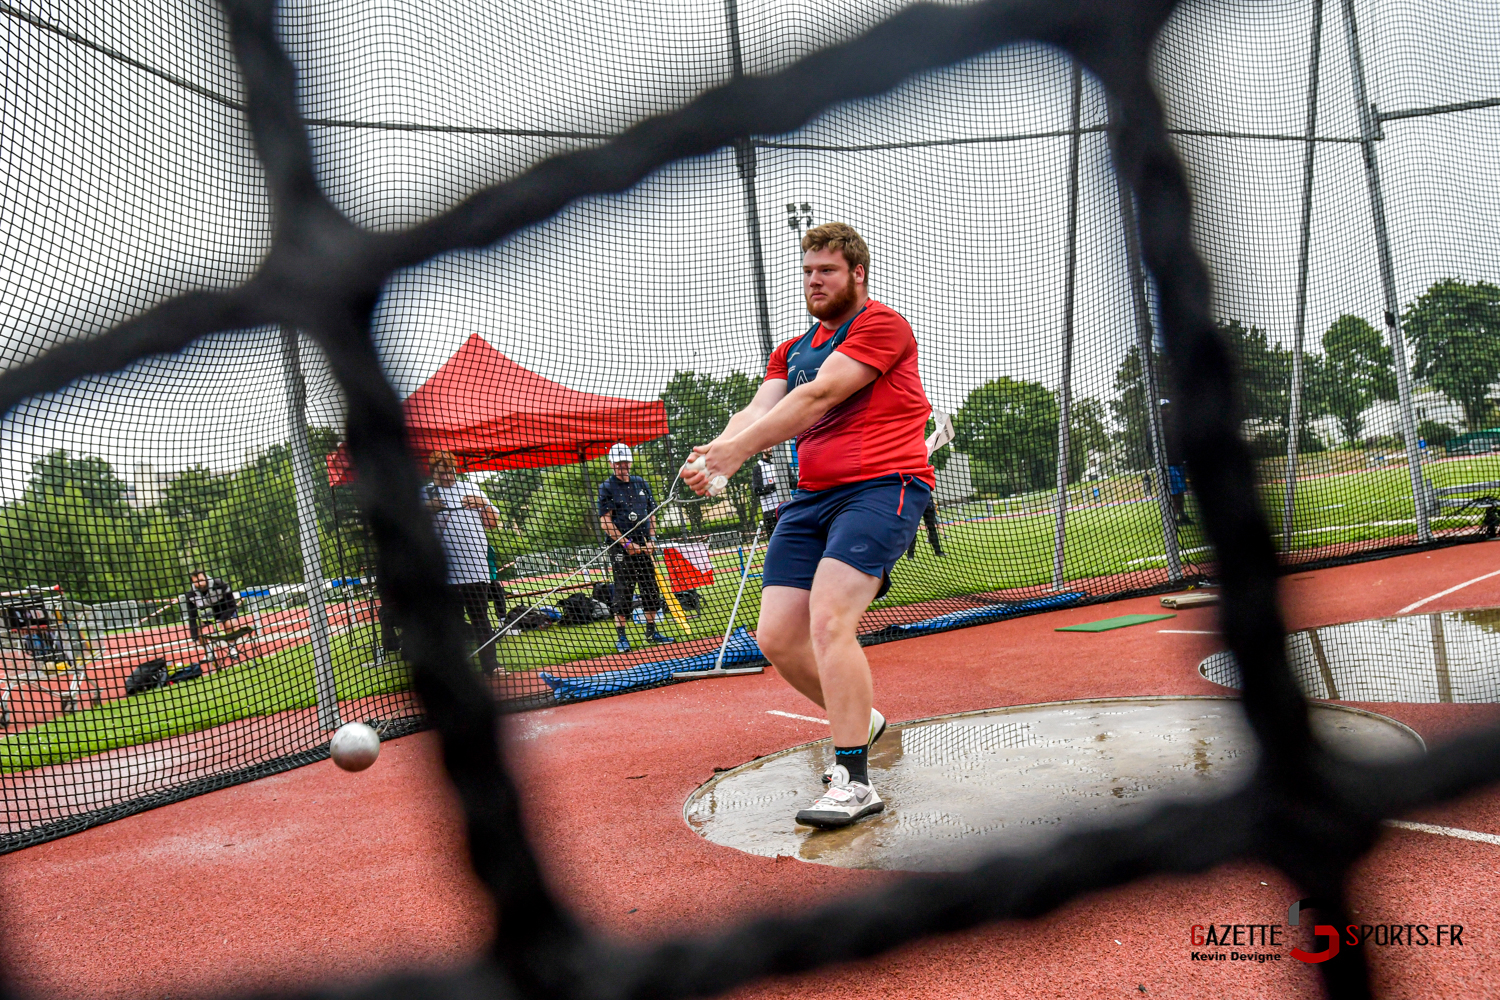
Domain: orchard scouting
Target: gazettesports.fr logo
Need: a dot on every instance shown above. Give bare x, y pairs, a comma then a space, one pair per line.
1236, 936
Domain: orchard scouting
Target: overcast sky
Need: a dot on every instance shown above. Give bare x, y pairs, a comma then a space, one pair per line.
123, 189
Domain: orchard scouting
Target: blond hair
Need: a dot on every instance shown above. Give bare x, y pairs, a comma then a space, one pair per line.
839, 236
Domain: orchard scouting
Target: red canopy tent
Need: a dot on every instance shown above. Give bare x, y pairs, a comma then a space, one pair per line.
494, 414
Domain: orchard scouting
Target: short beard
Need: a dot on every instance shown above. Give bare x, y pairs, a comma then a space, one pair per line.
836, 305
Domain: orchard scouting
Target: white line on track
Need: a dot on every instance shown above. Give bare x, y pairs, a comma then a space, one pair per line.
1444, 831
804, 718
1183, 631
1445, 593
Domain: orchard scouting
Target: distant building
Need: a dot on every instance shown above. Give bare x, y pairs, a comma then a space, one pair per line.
1383, 418
954, 482
147, 487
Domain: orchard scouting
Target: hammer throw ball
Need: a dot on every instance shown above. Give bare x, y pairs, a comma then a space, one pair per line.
716, 484
354, 746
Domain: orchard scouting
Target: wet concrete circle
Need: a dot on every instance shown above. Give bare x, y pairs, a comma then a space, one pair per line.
1435, 658
960, 786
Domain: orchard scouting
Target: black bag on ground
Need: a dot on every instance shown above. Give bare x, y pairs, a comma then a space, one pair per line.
146, 677
689, 600
523, 616
604, 593
580, 609
187, 672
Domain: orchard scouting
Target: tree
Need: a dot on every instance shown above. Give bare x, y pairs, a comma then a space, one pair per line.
1356, 371
58, 473
72, 526
194, 492
511, 490
1087, 434
1008, 428
1129, 409
1455, 327
698, 407
1265, 372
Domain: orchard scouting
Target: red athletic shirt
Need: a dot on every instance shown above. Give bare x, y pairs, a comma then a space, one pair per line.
878, 431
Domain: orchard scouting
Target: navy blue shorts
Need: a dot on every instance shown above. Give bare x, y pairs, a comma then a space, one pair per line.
867, 525
1176, 482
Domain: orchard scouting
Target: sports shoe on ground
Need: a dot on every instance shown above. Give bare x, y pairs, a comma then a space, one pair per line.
655, 636
877, 730
622, 645
842, 803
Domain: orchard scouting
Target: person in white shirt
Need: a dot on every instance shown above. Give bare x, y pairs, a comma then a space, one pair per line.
461, 513
763, 485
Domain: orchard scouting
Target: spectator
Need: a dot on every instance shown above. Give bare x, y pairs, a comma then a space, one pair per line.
213, 599
461, 513
929, 516
625, 506
763, 486
1176, 467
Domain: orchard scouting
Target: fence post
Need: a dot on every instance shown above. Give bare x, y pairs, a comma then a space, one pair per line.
1294, 417
305, 481
1370, 133
745, 162
1156, 437
1065, 392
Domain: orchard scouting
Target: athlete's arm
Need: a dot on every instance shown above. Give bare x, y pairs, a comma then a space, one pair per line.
838, 378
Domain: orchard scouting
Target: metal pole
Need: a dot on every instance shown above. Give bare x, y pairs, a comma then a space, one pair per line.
1369, 126
306, 484
718, 668
1294, 418
745, 161
1154, 432
1065, 392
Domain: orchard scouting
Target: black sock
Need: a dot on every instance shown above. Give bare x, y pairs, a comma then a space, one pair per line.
620, 631
854, 759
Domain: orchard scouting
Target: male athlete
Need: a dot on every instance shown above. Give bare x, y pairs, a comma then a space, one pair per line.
849, 392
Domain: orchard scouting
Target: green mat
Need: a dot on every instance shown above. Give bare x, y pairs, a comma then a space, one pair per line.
1104, 625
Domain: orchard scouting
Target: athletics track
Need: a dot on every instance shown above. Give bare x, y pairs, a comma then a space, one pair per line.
315, 874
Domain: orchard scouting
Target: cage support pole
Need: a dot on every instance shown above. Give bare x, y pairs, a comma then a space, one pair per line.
1370, 133
1309, 158
745, 161
305, 482
1154, 433
1065, 391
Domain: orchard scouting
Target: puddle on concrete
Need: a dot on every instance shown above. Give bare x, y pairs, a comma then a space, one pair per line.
958, 787
1447, 656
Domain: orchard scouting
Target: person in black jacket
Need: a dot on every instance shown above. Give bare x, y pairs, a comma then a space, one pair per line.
626, 506
213, 599
929, 516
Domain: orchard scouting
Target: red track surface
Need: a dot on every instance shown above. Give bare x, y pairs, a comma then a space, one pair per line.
317, 874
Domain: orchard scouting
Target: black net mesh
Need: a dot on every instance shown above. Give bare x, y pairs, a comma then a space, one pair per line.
223, 279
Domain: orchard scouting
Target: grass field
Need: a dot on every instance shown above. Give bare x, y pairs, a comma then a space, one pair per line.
984, 552
277, 683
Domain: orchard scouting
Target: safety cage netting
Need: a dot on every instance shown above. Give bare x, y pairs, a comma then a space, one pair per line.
1340, 158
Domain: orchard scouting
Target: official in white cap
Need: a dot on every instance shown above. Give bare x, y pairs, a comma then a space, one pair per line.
625, 506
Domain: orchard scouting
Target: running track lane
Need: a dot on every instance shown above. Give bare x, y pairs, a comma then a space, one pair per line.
252, 886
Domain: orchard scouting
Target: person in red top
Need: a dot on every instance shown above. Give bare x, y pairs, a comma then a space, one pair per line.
849, 392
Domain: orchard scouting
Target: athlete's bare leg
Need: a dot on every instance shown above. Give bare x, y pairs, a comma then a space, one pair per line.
784, 637
810, 637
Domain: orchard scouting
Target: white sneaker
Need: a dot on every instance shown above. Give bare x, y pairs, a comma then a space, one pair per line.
844, 802
877, 730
